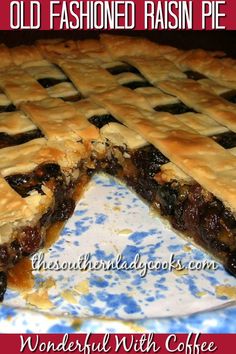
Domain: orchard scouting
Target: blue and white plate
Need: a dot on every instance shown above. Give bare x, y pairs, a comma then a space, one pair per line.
136, 255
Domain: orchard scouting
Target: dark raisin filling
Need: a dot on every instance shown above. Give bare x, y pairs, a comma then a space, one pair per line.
137, 84
188, 207
194, 75
28, 242
144, 186
3, 285
227, 140
214, 223
49, 82
138, 171
176, 108
231, 263
168, 198
124, 68
148, 160
64, 204
230, 96
100, 121
25, 183
18, 139
30, 239
9, 108
74, 98
109, 164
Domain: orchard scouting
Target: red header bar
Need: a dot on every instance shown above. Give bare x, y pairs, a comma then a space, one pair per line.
119, 343
118, 14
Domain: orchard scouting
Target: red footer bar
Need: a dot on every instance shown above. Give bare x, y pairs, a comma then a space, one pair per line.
118, 343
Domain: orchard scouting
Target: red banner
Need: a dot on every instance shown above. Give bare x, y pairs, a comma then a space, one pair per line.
118, 14
118, 343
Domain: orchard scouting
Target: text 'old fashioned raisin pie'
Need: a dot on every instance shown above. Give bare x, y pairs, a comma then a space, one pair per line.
160, 119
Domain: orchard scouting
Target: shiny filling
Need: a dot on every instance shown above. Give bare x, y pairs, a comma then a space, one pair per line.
226, 140
137, 84
3, 284
194, 75
49, 82
74, 98
10, 108
100, 120
175, 108
188, 207
18, 139
123, 68
23, 184
230, 96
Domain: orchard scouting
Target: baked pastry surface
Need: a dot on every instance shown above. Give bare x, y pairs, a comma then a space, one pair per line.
160, 119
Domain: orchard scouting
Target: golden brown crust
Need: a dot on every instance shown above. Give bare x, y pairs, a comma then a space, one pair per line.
120, 135
12, 206
59, 120
42, 69
170, 172
202, 123
211, 85
89, 108
156, 97
4, 100
125, 97
15, 123
196, 96
120, 46
94, 48
21, 159
5, 57
87, 75
89, 45
16, 211
155, 69
56, 46
125, 78
23, 54
20, 87
26, 157
62, 90
203, 62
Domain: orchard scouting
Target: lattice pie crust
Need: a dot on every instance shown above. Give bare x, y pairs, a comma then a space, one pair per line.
160, 119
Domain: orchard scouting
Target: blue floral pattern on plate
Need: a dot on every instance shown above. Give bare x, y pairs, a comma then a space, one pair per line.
23, 321
110, 221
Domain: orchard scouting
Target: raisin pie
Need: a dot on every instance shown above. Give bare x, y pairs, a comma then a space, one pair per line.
160, 119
